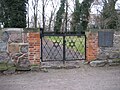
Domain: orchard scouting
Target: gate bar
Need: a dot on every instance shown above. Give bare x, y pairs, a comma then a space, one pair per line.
64, 54
85, 47
41, 43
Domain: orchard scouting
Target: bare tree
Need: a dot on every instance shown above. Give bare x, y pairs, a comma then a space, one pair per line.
51, 19
48, 20
35, 10
28, 18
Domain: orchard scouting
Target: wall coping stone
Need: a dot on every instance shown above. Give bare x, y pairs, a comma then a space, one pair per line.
19, 43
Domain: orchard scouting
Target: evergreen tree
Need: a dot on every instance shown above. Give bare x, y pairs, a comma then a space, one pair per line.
109, 14
85, 13
80, 17
75, 16
2, 7
59, 16
14, 13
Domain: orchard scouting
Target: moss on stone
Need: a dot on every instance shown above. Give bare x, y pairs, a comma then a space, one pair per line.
35, 67
11, 68
116, 60
3, 66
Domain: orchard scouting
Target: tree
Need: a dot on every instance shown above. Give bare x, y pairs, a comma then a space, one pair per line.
35, 9
14, 13
80, 17
59, 16
85, 13
1, 10
52, 16
109, 14
75, 16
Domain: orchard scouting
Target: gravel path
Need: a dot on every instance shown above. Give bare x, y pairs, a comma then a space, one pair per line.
84, 78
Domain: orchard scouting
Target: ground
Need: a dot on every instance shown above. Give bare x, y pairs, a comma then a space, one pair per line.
84, 78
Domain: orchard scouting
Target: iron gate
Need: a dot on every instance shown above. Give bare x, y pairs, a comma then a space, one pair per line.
62, 46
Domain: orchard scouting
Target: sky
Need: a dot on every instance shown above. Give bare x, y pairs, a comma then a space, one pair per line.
53, 5
96, 8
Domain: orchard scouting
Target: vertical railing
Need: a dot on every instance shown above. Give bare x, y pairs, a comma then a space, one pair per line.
41, 43
43, 17
85, 47
64, 36
64, 53
42, 29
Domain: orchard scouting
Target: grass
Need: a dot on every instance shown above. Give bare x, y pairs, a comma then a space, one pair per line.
78, 42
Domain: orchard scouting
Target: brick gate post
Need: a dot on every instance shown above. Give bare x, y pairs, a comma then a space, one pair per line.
92, 46
34, 47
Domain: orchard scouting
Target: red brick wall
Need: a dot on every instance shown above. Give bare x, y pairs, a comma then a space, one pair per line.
92, 46
34, 48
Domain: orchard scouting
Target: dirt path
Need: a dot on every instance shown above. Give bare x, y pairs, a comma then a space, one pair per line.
84, 78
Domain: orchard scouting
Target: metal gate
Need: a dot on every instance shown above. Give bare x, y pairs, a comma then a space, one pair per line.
60, 42
62, 46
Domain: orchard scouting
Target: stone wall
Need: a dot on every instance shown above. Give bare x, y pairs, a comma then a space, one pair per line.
111, 52
18, 48
24, 48
4, 56
94, 52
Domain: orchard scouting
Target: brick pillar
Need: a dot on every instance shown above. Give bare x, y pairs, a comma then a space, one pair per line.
92, 46
34, 48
